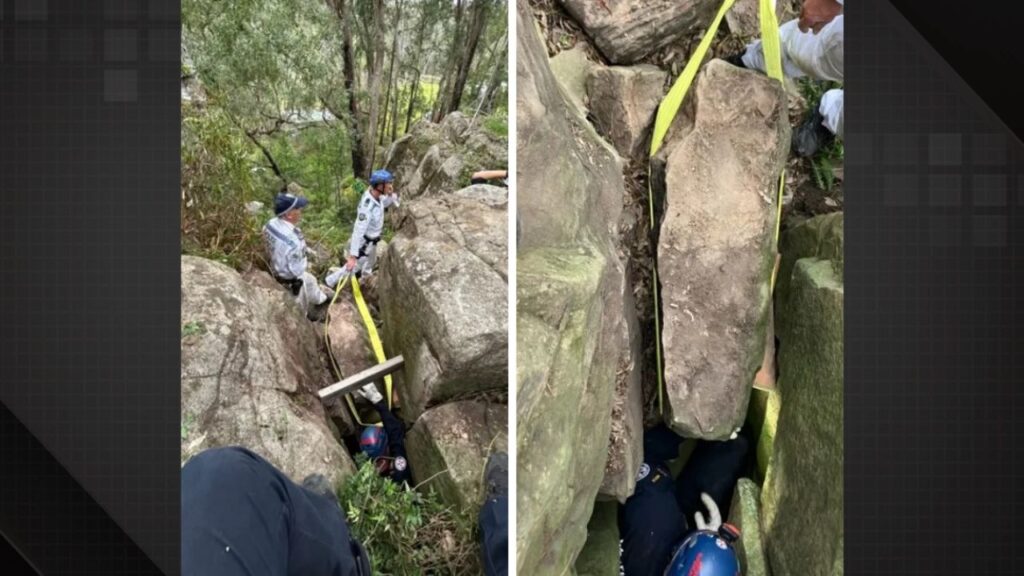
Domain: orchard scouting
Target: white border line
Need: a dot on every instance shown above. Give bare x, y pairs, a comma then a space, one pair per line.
512, 211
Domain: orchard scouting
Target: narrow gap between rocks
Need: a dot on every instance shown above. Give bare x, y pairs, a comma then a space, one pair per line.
812, 187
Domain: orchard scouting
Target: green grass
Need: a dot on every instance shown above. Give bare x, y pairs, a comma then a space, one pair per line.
497, 125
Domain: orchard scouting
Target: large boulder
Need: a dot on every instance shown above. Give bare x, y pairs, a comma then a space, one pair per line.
600, 557
570, 68
405, 154
440, 158
250, 369
804, 483
626, 31
574, 313
348, 338
623, 101
745, 514
716, 249
818, 237
350, 353
443, 287
448, 448
744, 18
625, 447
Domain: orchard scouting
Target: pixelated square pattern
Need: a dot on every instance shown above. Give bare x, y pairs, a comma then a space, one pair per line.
900, 189
31, 10
120, 85
988, 231
76, 46
120, 45
944, 230
989, 190
164, 45
988, 149
858, 149
945, 149
121, 10
31, 45
163, 10
900, 149
945, 189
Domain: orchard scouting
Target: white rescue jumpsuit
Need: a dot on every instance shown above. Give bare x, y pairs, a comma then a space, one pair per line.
818, 55
287, 250
367, 230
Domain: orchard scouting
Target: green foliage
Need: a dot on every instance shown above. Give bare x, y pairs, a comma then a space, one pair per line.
824, 163
191, 328
186, 424
404, 531
812, 90
497, 124
270, 70
827, 159
217, 179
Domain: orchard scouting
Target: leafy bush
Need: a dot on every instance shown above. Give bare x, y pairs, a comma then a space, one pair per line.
217, 179
827, 159
407, 532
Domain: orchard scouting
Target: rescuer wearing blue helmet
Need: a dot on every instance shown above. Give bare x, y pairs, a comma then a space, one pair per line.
656, 537
385, 445
362, 248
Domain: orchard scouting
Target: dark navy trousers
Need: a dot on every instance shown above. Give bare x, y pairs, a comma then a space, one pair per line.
241, 516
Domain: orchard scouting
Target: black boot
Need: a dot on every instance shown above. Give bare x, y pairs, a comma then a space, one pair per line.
736, 59
496, 475
811, 135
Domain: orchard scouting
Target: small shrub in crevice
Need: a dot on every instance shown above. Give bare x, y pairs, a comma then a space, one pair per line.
407, 532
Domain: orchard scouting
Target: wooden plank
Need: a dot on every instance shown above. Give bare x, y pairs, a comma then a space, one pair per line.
357, 381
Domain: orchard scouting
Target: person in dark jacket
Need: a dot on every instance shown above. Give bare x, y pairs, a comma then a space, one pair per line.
384, 445
653, 523
241, 516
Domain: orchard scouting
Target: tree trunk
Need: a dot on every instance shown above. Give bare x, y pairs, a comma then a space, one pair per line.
395, 113
450, 67
412, 100
495, 81
487, 63
374, 57
392, 85
476, 27
351, 86
414, 88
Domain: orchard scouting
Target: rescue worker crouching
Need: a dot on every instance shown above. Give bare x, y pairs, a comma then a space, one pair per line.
362, 248
385, 445
656, 537
287, 248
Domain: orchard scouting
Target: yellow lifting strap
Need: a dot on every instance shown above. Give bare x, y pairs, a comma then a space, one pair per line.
667, 111
371, 330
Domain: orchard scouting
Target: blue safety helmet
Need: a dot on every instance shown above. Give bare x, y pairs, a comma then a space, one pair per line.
706, 553
373, 442
380, 177
285, 202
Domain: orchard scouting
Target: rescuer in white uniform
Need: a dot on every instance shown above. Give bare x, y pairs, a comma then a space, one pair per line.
812, 45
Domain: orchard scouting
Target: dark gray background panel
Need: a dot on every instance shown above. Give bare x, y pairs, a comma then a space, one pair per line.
89, 249
933, 201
